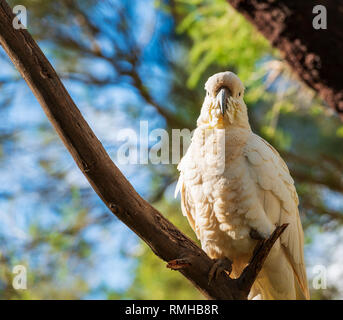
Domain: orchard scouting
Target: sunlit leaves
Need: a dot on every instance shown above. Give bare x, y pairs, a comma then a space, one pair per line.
220, 36
339, 132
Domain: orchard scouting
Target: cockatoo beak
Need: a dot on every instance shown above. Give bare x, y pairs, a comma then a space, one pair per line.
223, 95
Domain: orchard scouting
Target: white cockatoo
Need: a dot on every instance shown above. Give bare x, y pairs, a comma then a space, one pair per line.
235, 188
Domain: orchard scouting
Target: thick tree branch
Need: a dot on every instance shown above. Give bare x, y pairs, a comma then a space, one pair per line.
312, 54
164, 238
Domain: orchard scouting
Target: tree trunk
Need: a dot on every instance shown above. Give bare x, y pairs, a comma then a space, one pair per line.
316, 56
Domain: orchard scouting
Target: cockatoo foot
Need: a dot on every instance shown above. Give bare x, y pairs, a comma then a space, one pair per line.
178, 264
219, 265
254, 234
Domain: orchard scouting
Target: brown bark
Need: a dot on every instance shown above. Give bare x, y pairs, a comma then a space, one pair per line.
314, 55
164, 239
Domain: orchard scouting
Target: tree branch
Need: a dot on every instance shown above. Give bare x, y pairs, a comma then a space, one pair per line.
249, 274
312, 54
164, 239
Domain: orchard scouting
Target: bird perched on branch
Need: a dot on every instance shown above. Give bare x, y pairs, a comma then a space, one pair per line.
235, 188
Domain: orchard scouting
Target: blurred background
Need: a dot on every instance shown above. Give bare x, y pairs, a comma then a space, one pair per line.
132, 60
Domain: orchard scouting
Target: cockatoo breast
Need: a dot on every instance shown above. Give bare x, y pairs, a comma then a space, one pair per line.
221, 192
235, 188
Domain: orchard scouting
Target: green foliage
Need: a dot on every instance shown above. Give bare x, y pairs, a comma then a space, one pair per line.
339, 132
219, 36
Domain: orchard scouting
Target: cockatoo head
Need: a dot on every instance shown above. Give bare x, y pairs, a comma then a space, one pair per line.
224, 104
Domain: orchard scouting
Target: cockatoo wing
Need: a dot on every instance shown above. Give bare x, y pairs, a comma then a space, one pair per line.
277, 191
188, 171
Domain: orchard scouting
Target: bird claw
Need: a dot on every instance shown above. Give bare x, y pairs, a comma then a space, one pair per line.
254, 234
178, 264
219, 265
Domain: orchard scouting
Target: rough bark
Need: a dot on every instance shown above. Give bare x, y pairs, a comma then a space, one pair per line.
314, 55
164, 239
